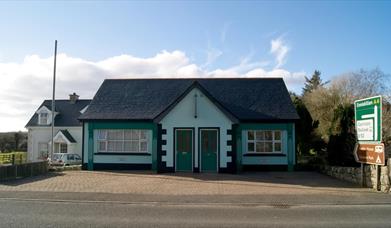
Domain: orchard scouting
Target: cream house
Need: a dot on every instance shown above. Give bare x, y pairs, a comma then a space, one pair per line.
67, 128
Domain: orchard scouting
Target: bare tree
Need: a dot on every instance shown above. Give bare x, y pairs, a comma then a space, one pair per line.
344, 90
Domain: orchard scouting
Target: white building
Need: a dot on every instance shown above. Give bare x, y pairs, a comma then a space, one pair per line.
223, 125
67, 128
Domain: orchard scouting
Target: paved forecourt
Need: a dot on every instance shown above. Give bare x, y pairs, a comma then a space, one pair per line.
265, 183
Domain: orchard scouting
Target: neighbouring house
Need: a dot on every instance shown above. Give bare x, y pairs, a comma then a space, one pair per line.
190, 125
67, 128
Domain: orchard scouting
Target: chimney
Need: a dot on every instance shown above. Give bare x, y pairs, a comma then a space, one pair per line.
73, 98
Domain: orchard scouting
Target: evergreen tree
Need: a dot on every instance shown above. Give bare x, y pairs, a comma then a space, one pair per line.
313, 83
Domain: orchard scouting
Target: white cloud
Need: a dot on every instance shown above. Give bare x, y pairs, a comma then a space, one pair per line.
280, 50
24, 85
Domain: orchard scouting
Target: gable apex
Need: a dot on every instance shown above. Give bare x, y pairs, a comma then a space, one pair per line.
195, 85
43, 109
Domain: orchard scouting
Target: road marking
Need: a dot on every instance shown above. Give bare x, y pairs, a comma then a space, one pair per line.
165, 203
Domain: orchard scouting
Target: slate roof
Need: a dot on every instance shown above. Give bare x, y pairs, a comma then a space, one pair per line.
68, 113
246, 99
68, 136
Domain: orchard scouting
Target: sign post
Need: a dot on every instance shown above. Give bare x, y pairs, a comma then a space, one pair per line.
368, 121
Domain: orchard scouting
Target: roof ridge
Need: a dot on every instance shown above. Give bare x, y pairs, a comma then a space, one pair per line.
68, 100
194, 78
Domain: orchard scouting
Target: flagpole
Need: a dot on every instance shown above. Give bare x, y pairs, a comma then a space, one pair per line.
53, 98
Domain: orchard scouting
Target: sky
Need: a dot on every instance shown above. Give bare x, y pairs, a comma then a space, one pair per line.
128, 39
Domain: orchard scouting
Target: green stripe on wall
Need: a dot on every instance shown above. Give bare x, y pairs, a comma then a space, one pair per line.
121, 125
291, 146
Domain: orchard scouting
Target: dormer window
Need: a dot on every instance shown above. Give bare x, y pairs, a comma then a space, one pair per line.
43, 118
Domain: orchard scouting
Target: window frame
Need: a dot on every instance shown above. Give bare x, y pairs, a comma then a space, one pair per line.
43, 154
102, 138
40, 121
262, 139
61, 147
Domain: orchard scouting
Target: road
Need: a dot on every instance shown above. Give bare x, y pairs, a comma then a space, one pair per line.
21, 212
110, 199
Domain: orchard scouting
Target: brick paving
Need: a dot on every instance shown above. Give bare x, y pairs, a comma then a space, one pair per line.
264, 183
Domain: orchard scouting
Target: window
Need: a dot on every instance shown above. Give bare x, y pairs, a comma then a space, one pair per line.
261, 141
43, 150
43, 118
128, 141
63, 148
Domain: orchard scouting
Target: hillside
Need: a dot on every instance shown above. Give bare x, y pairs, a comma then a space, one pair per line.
13, 141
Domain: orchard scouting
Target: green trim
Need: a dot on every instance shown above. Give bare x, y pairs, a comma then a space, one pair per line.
154, 147
290, 148
264, 126
121, 125
290, 141
239, 151
90, 146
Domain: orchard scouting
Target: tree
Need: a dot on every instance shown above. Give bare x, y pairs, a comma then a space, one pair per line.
332, 106
313, 83
340, 147
17, 139
13, 141
308, 141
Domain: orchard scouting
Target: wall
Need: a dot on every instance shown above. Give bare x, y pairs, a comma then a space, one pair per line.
288, 143
44, 134
91, 157
353, 175
13, 172
208, 115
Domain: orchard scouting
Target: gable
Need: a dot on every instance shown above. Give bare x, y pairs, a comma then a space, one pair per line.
63, 136
199, 92
196, 109
43, 109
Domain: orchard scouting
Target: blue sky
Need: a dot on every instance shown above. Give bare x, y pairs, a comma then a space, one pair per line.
333, 37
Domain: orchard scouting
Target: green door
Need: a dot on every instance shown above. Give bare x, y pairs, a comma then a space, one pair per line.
184, 150
209, 147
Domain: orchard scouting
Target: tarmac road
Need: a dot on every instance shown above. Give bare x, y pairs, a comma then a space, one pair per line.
128, 199
70, 213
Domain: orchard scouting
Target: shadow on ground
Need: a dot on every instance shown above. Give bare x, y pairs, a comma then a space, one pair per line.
27, 180
306, 179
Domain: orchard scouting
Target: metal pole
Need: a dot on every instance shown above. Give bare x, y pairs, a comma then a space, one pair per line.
53, 98
377, 178
362, 175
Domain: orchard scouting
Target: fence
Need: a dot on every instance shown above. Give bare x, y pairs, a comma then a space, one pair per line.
10, 172
13, 158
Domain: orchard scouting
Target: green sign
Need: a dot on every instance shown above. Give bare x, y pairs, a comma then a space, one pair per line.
368, 119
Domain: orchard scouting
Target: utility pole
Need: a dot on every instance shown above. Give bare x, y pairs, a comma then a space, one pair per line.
53, 98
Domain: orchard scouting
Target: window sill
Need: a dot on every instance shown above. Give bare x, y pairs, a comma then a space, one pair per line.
264, 155
119, 153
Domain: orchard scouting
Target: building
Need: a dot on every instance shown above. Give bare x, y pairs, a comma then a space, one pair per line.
67, 128
191, 125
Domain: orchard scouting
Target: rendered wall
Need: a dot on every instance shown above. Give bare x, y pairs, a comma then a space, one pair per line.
44, 134
208, 115
288, 143
91, 155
